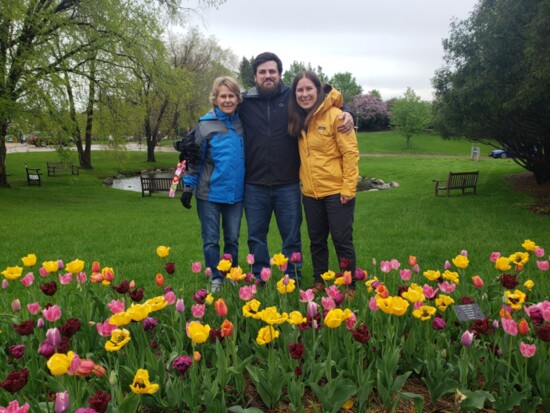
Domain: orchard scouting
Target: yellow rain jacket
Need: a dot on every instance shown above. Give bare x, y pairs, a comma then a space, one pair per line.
329, 159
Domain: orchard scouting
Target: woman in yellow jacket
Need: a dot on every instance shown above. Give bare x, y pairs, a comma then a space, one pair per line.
329, 171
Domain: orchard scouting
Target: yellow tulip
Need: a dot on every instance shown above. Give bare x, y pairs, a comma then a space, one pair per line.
59, 364
516, 299
156, 303
236, 274
51, 266
197, 332
529, 245
163, 251
432, 275
138, 312
209, 299
271, 316
289, 287
224, 266
336, 317
461, 261
119, 338
399, 306
414, 294
75, 266
29, 260
141, 383
266, 335
503, 264
425, 312
251, 308
12, 273
120, 319
296, 318
328, 276
451, 276
280, 260
443, 301
519, 258
529, 284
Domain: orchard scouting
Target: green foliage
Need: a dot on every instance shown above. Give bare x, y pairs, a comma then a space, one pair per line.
410, 116
296, 67
246, 75
495, 83
346, 84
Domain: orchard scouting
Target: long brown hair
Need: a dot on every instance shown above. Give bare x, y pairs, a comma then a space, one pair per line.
298, 118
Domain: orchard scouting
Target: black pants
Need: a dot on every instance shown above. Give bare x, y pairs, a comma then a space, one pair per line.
324, 216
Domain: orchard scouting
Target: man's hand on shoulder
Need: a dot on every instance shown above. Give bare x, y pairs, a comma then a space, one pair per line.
347, 122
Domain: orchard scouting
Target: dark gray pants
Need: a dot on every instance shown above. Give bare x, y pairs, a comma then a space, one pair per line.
324, 216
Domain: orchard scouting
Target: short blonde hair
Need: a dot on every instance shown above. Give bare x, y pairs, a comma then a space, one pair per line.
229, 83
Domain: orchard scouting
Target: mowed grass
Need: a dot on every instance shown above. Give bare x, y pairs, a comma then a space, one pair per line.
72, 217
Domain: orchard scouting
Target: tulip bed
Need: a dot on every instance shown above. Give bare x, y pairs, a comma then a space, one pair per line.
76, 336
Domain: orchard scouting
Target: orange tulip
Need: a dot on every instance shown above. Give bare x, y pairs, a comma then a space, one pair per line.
478, 282
96, 267
197, 356
227, 328
159, 280
523, 327
221, 307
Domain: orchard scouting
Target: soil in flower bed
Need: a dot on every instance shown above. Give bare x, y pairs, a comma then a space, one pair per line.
525, 183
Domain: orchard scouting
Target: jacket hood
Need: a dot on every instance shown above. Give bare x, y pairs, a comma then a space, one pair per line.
333, 98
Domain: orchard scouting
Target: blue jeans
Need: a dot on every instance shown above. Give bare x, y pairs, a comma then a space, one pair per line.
209, 216
259, 203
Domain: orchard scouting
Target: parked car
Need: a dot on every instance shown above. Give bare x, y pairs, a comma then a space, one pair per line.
501, 154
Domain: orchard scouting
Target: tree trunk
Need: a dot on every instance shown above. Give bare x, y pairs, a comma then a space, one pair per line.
86, 156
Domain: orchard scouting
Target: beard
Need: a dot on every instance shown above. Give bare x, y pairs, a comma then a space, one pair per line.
269, 89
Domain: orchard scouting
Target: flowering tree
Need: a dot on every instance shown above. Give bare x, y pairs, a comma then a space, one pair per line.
371, 110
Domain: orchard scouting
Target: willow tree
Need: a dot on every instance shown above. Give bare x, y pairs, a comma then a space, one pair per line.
30, 31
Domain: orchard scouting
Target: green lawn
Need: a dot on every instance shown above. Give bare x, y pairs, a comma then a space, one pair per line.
78, 217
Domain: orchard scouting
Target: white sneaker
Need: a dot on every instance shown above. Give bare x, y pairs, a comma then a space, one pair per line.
216, 285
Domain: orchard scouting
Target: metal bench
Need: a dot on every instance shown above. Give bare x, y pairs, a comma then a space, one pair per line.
457, 180
33, 176
58, 167
154, 184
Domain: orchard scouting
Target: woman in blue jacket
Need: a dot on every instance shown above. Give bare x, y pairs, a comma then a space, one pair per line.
217, 177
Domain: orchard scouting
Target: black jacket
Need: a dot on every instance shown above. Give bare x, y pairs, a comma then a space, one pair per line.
271, 155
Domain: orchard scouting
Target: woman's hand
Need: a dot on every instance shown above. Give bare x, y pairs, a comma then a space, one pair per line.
345, 199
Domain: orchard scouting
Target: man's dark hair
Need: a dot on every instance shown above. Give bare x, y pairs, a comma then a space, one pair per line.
266, 57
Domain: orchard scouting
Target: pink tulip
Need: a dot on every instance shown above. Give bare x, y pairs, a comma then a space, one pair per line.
60, 265
312, 309
417, 305
33, 308
196, 267
14, 407
198, 310
360, 274
180, 306
372, 304
405, 274
509, 326
395, 264
16, 305
447, 287
464, 253
28, 279
447, 265
328, 303
247, 293
306, 296
105, 329
543, 265
296, 257
208, 272
53, 337
429, 292
250, 259
350, 322
5, 284
52, 314
81, 277
265, 274
467, 338
539, 252
170, 297
527, 350
43, 272
416, 268
40, 323
116, 306
385, 266
494, 256
65, 279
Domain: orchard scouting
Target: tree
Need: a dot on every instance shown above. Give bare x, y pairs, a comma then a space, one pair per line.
296, 67
494, 87
371, 110
410, 116
346, 84
246, 74
29, 33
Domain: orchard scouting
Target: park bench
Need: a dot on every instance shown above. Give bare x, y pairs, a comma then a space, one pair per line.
58, 167
155, 184
457, 180
33, 176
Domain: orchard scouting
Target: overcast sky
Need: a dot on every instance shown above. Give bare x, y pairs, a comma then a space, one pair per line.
387, 45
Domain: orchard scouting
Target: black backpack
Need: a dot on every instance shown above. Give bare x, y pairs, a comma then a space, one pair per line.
186, 146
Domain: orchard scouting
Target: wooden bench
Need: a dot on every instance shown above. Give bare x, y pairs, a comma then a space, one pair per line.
58, 167
457, 180
33, 176
155, 184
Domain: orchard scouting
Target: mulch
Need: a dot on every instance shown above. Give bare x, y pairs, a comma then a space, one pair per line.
525, 183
